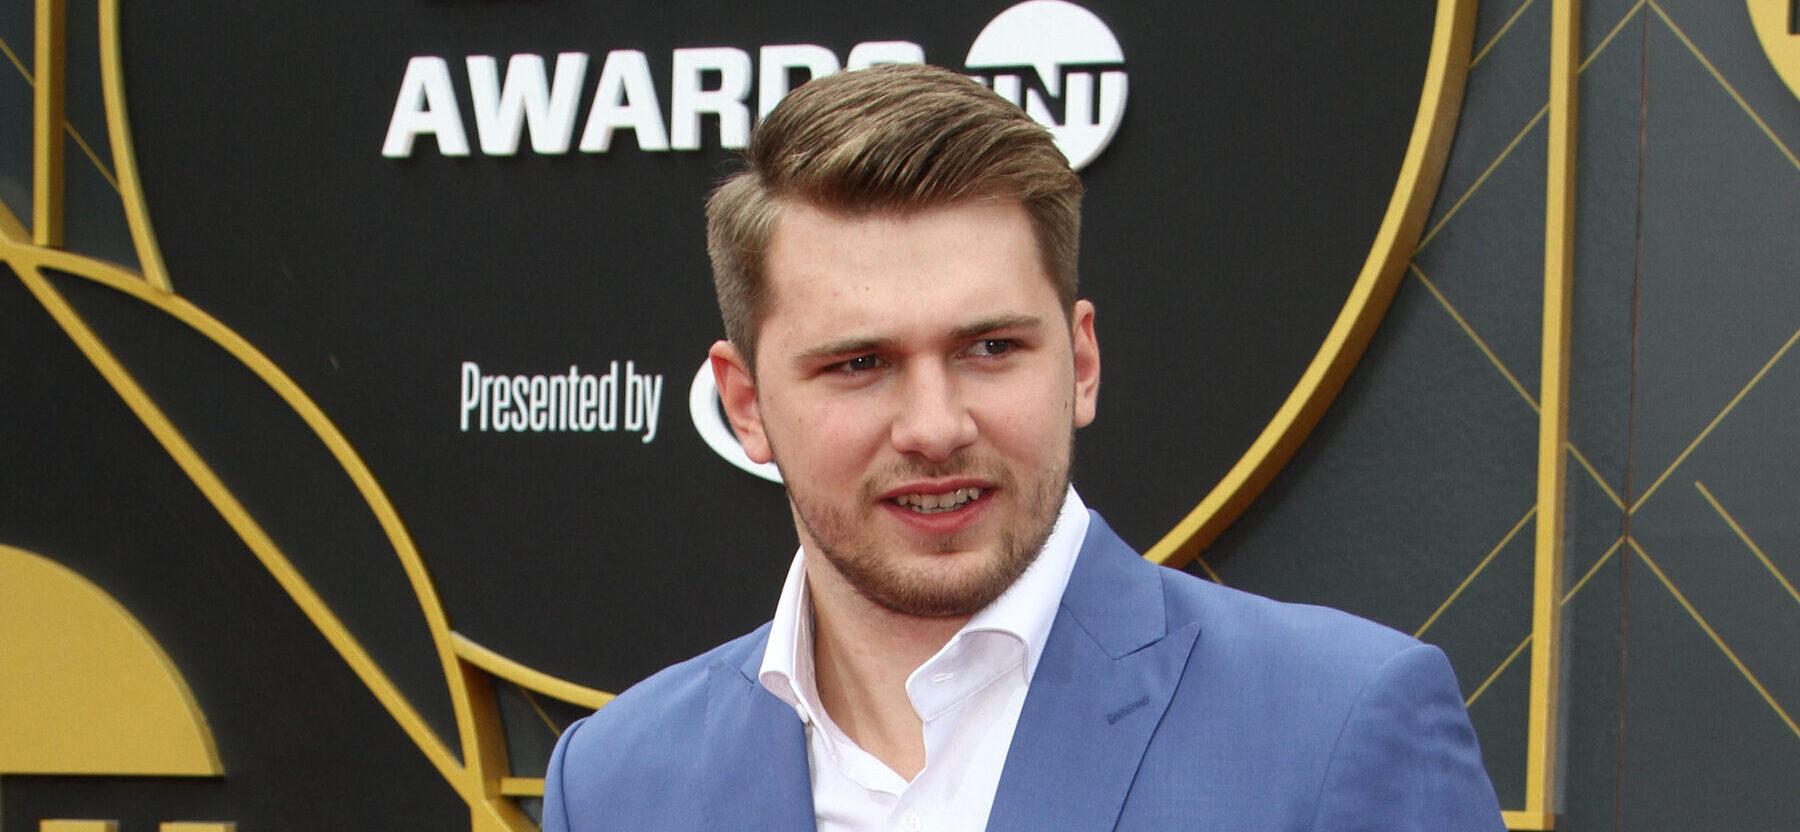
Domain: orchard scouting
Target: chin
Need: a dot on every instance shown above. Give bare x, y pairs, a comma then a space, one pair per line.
947, 585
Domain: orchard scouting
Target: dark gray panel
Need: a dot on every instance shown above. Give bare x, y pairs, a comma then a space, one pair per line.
1486, 621
1606, 171
1417, 471
1500, 717
1718, 292
1601, 19
1593, 632
1504, 91
1489, 261
1702, 748
1748, 465
1723, 33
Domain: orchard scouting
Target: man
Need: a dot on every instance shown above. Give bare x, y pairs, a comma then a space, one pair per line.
960, 645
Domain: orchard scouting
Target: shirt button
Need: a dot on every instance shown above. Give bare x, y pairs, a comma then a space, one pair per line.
911, 822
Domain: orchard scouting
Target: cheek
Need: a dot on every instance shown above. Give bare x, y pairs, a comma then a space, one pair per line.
830, 440
1022, 420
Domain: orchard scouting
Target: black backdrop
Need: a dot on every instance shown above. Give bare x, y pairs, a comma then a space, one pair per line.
1225, 222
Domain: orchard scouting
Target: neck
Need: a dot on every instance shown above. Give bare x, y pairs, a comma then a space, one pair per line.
862, 656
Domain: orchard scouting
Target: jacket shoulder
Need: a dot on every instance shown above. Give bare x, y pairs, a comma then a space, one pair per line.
676, 692
1305, 717
630, 750
1230, 621
1315, 634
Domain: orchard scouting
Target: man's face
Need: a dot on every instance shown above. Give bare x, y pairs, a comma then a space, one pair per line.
918, 385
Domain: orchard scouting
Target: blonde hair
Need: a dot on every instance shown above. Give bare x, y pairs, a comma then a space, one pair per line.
897, 138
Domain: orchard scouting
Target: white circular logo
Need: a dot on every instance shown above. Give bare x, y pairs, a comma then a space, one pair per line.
1048, 56
703, 408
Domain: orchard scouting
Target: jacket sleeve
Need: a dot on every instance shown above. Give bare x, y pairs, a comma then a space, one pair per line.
1407, 759
556, 813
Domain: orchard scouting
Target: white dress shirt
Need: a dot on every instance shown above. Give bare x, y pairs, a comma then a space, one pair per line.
968, 696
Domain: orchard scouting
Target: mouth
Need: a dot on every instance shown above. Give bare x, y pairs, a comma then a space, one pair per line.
937, 503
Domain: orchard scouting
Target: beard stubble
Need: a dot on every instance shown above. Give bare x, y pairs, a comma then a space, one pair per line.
884, 580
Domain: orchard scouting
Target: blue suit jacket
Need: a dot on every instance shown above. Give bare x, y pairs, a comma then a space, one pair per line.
1161, 702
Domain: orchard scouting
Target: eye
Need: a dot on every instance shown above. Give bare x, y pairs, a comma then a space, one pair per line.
991, 347
859, 364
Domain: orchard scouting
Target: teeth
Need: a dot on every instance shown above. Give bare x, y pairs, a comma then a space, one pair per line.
937, 503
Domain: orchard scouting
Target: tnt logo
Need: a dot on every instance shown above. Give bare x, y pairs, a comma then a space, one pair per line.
1062, 65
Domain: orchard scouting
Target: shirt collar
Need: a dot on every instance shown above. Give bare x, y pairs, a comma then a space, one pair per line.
1025, 610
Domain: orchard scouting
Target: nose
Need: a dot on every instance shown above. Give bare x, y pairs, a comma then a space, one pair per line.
933, 421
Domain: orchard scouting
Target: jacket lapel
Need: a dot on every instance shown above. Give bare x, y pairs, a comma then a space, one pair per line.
755, 772
1108, 672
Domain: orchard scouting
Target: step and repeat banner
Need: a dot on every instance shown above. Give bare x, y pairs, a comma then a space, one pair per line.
355, 356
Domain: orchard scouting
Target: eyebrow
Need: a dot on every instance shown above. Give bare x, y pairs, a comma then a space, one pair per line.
997, 323
855, 345
845, 346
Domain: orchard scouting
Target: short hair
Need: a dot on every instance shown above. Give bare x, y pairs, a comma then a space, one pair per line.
894, 138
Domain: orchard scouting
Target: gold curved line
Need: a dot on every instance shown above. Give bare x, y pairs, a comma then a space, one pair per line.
467, 776
464, 778
1423, 166
118, 129
473, 709
526, 676
233, 512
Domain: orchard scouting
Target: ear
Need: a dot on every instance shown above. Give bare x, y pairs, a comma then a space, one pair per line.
737, 391
1087, 362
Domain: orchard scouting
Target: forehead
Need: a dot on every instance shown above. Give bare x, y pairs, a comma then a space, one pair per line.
830, 271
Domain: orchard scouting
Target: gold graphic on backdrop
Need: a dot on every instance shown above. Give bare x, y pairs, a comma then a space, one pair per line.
480, 773
84, 688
